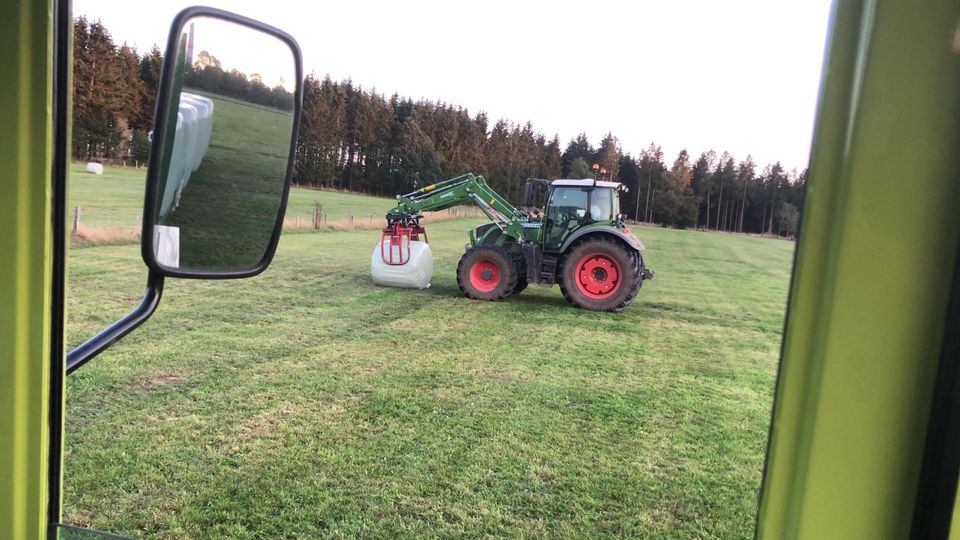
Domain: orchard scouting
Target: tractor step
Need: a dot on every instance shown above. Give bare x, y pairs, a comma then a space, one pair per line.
548, 272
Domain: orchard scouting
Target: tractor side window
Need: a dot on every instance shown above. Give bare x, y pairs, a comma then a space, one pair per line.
568, 205
602, 205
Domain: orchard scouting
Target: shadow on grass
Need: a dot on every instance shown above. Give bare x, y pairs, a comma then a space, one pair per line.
450, 291
537, 299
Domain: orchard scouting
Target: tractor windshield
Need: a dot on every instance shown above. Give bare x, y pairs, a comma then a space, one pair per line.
568, 204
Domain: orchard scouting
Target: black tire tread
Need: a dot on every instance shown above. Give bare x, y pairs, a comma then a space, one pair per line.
507, 269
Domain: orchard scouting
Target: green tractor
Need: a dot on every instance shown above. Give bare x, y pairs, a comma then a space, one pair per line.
579, 241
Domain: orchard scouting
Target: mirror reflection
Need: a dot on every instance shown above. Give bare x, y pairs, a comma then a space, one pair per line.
218, 202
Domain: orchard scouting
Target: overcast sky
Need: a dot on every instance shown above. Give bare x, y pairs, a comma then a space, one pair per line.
740, 76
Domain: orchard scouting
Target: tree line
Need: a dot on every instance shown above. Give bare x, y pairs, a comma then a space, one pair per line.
360, 140
207, 74
114, 92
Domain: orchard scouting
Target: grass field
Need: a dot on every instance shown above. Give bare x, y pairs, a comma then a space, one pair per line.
123, 203
308, 403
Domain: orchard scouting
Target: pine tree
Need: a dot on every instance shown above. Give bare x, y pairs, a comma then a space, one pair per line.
149, 69
579, 169
552, 160
578, 147
608, 155
677, 205
651, 171
745, 174
628, 173
701, 184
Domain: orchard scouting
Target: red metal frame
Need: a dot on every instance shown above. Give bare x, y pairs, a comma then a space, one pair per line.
394, 235
586, 280
477, 278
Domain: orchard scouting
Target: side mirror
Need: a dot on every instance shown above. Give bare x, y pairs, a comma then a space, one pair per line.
225, 133
533, 190
228, 113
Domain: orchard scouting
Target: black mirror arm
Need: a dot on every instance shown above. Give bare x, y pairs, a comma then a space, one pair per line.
110, 335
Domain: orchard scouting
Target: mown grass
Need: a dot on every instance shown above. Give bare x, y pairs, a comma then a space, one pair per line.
308, 403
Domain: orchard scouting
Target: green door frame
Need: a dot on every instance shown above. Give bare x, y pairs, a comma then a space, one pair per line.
27, 277
863, 334
872, 276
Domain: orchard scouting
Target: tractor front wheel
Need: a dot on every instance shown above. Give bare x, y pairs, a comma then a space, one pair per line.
600, 274
487, 273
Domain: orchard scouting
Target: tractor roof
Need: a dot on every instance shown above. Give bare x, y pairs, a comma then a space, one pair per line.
586, 182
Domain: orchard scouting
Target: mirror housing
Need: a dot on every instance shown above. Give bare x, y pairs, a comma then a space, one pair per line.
533, 190
527, 192
223, 148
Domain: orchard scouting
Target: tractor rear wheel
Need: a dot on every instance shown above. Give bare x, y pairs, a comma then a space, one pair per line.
600, 274
487, 273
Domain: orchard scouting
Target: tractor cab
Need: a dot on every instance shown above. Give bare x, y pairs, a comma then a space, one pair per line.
570, 204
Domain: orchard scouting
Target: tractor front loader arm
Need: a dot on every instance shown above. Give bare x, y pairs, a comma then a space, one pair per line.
464, 189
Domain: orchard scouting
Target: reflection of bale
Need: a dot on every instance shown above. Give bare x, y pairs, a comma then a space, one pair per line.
192, 138
204, 107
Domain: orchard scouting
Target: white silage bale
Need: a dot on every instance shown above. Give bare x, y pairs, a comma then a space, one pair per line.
171, 189
190, 127
192, 139
95, 168
204, 107
415, 274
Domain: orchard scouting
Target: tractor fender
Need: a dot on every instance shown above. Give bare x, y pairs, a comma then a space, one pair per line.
626, 237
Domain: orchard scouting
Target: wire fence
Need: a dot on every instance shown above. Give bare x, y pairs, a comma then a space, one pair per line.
87, 228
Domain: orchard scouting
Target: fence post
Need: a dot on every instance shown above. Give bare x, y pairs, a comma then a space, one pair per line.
76, 219
137, 225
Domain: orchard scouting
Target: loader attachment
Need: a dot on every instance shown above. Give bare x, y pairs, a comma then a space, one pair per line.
396, 237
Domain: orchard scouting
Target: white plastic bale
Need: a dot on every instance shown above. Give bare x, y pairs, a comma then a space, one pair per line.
94, 168
415, 274
187, 145
189, 133
193, 129
168, 200
204, 107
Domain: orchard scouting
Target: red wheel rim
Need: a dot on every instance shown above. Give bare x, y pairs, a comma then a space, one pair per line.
484, 276
598, 276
